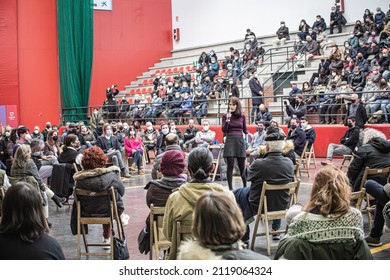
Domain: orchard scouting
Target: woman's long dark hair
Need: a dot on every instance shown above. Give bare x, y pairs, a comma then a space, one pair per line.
200, 163
235, 101
22, 213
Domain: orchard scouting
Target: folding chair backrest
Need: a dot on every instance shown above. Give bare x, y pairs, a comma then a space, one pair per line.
181, 231
373, 171
265, 215
158, 240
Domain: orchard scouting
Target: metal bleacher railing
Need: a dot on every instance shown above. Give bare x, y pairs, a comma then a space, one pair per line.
215, 116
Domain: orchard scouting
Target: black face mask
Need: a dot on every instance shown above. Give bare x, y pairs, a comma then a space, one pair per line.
293, 126
260, 129
349, 124
55, 138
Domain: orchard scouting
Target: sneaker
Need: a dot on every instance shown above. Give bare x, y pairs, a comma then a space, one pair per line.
373, 241
327, 162
125, 219
140, 172
106, 241
126, 175
133, 167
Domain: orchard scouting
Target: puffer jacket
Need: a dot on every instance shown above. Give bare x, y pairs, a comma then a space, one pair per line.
100, 179
374, 154
181, 204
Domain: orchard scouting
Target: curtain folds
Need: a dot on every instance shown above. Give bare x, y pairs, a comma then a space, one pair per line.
75, 48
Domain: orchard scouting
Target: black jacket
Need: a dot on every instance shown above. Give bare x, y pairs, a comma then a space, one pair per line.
299, 138
351, 138
266, 117
101, 143
374, 154
256, 87
361, 115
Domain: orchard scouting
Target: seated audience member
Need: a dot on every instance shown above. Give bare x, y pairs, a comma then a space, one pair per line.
199, 105
98, 131
336, 19
258, 140
70, 151
23, 137
368, 93
319, 23
381, 99
328, 227
218, 227
175, 130
288, 150
134, 149
328, 104
295, 90
273, 168
96, 177
274, 123
181, 203
205, 137
173, 163
24, 166
88, 136
356, 109
298, 136
189, 135
283, 35
46, 130
150, 139
185, 105
373, 153
264, 115
44, 163
37, 134
348, 142
110, 146
309, 131
23, 227
160, 144
381, 194
52, 144
171, 142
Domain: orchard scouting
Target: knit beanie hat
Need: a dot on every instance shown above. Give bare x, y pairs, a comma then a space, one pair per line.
172, 163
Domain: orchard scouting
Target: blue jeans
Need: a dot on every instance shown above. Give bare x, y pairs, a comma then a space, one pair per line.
376, 191
138, 158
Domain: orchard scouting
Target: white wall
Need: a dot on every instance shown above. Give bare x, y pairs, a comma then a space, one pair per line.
204, 22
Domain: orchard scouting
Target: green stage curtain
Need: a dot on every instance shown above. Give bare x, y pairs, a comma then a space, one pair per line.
75, 47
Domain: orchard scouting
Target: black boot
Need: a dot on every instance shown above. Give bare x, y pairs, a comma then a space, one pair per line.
58, 200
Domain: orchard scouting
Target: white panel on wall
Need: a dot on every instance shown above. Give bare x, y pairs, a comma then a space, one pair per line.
205, 22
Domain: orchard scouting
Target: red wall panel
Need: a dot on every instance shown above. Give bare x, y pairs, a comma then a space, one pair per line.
38, 63
128, 40
9, 83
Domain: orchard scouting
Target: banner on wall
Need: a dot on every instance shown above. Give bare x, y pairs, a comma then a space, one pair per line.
105, 5
9, 115
3, 117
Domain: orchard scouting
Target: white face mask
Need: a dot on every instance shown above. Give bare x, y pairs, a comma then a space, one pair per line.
132, 133
173, 127
165, 131
150, 128
36, 131
28, 137
109, 132
206, 127
7, 134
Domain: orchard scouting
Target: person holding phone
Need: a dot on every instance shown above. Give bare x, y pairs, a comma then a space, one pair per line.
233, 127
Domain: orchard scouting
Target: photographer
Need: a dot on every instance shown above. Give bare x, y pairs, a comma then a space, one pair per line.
298, 110
112, 104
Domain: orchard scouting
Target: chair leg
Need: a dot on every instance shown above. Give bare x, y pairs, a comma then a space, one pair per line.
267, 236
254, 235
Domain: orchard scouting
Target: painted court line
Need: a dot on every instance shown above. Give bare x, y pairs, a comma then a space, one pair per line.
379, 249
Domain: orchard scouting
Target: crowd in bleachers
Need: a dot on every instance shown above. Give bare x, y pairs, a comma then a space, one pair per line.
353, 78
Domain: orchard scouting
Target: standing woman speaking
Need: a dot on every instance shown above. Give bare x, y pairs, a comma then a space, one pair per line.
233, 127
